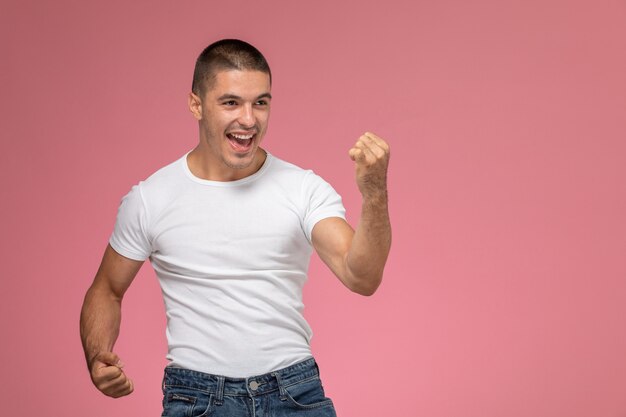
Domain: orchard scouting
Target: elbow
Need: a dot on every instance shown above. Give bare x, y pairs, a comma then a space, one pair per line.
365, 286
364, 279
365, 292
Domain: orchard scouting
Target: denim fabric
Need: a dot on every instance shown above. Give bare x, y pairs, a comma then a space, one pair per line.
295, 391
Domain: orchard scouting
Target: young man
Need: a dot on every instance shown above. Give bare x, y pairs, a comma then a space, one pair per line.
229, 230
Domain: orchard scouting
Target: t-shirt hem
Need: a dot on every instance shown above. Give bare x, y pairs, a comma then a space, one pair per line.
238, 374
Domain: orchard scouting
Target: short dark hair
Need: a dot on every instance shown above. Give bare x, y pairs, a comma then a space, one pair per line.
224, 55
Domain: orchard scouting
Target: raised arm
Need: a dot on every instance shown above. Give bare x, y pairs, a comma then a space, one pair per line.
358, 257
100, 322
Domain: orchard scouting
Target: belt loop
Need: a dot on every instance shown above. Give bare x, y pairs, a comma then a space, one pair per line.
219, 395
281, 388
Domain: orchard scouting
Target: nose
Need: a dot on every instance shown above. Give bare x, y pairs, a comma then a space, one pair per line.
246, 117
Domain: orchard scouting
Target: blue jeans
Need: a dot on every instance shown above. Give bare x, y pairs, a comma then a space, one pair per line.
293, 391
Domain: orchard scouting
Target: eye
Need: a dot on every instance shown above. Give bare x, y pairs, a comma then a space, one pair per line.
230, 103
261, 103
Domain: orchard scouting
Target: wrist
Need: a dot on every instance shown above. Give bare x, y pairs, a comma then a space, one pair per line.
377, 197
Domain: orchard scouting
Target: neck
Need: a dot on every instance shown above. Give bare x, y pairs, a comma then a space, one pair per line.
203, 165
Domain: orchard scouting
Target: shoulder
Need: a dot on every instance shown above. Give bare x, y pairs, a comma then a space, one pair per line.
279, 165
162, 185
285, 173
169, 174
304, 183
303, 176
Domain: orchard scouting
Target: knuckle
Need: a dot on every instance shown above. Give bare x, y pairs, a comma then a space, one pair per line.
111, 374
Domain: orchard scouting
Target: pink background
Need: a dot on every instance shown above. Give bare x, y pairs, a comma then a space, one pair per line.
505, 293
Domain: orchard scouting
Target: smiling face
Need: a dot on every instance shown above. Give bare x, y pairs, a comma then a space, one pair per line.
233, 116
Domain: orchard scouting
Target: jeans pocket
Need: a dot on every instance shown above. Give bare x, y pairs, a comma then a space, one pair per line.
185, 402
307, 394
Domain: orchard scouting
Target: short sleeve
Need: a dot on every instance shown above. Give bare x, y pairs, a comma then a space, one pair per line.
320, 202
129, 236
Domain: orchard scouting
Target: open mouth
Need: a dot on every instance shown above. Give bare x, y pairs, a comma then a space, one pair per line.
240, 142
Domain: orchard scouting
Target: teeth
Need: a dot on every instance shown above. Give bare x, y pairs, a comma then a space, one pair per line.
242, 137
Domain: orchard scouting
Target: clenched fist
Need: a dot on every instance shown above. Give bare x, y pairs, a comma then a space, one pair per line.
371, 155
108, 376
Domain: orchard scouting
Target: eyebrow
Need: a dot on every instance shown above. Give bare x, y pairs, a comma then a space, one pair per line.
236, 97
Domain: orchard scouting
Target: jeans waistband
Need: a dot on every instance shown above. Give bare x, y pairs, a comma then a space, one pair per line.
251, 386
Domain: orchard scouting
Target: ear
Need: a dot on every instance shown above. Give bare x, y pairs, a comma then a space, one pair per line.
195, 106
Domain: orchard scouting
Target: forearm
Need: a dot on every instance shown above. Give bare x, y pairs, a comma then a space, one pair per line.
370, 245
99, 322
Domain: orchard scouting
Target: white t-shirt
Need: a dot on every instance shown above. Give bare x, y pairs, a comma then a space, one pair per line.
231, 258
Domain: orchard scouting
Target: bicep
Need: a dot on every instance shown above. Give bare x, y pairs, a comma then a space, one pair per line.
116, 273
331, 238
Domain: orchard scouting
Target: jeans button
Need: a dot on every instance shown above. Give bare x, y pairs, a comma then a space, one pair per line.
254, 385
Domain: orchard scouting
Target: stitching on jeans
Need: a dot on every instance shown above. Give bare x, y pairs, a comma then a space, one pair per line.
209, 408
322, 403
187, 387
316, 405
302, 380
213, 393
303, 376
